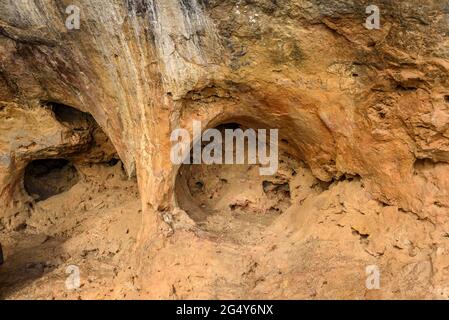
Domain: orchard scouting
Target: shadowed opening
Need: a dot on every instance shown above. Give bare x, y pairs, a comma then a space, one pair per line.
71, 117
49, 177
233, 198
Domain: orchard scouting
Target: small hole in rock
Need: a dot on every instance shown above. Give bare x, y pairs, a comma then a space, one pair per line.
400, 87
199, 185
113, 162
49, 177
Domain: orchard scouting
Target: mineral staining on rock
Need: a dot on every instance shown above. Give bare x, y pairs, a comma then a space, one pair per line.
363, 116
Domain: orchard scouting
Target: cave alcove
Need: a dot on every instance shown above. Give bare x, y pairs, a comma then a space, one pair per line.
224, 198
45, 178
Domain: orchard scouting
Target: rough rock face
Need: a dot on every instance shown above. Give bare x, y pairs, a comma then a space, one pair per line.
363, 117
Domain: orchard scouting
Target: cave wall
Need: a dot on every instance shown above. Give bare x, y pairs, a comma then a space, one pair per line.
352, 101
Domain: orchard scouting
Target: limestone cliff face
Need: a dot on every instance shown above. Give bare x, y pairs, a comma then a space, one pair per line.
350, 102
